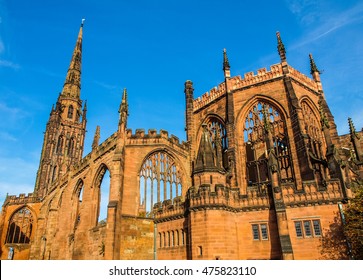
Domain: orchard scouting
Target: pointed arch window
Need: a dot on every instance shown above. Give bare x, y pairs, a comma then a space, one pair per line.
60, 144
20, 227
103, 184
316, 144
218, 138
255, 139
71, 147
160, 179
70, 112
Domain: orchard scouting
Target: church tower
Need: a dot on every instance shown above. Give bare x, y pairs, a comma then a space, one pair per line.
66, 127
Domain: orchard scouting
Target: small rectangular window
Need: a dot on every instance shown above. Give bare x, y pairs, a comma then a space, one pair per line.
307, 228
298, 229
255, 232
317, 229
264, 232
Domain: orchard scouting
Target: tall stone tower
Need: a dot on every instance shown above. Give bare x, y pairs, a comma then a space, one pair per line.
66, 127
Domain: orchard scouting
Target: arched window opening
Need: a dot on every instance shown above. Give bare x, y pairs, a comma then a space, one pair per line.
218, 138
103, 191
71, 147
54, 174
20, 227
160, 179
60, 144
70, 112
316, 144
260, 116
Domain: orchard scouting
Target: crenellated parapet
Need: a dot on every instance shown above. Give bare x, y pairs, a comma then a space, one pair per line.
169, 209
152, 138
21, 199
312, 195
262, 75
225, 198
303, 79
209, 97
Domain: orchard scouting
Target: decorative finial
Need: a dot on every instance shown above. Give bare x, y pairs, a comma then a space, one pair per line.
352, 128
313, 67
83, 19
280, 47
96, 138
226, 65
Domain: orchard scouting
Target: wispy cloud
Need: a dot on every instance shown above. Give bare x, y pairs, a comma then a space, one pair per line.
322, 21
7, 137
9, 64
105, 85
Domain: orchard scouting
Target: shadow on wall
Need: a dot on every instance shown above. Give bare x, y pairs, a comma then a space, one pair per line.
334, 243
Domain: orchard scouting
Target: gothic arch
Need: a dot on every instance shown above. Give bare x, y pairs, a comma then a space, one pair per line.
256, 117
21, 226
160, 177
258, 97
316, 141
101, 194
217, 129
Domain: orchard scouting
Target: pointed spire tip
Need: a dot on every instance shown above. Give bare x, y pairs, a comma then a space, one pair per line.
83, 19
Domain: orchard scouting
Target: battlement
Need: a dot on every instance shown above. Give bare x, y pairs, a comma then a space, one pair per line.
21, 199
208, 97
303, 79
225, 198
311, 195
262, 75
169, 209
152, 137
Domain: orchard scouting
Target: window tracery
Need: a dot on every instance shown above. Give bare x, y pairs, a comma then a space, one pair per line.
260, 117
20, 227
316, 141
160, 179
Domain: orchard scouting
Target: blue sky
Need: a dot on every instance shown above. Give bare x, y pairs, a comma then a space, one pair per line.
151, 48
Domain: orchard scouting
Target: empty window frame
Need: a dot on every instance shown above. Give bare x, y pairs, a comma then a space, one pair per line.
20, 227
160, 179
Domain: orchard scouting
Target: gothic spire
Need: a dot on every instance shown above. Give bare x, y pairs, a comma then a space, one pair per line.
72, 83
280, 47
226, 66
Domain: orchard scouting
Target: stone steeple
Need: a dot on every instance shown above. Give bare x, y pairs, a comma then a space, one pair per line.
72, 83
65, 131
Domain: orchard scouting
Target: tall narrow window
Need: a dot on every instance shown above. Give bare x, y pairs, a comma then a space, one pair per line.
160, 179
54, 174
60, 144
71, 147
219, 140
307, 228
298, 229
102, 182
317, 146
70, 112
264, 232
316, 226
260, 114
20, 227
255, 232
